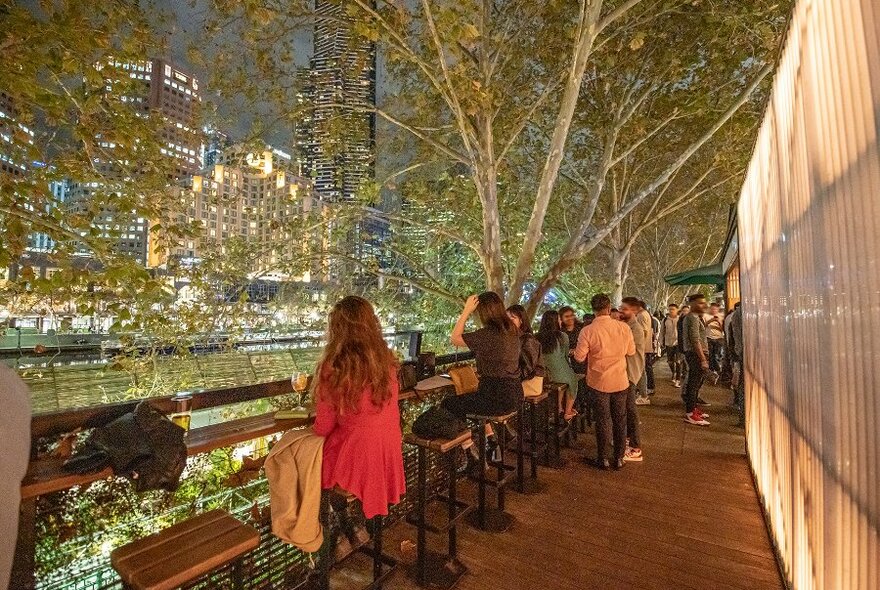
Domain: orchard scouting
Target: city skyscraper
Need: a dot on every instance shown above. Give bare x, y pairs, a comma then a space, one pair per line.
342, 82
336, 137
14, 137
164, 88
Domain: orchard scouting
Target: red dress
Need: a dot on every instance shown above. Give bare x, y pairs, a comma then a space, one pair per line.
363, 451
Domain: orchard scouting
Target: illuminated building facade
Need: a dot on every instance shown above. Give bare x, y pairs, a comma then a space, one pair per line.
160, 87
255, 198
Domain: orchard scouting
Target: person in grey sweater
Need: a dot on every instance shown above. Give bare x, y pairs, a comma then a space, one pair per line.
696, 352
635, 371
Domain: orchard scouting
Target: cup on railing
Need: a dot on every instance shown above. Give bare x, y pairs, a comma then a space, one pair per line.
182, 415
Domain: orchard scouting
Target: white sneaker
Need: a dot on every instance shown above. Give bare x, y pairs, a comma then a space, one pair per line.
633, 455
643, 401
676, 383
695, 418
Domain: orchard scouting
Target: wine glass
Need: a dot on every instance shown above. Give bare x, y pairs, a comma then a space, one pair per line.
299, 381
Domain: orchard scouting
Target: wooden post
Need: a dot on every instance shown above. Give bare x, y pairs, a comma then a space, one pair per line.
24, 564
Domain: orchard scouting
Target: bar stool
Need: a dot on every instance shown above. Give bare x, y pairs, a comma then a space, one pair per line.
432, 569
530, 406
492, 520
555, 428
381, 560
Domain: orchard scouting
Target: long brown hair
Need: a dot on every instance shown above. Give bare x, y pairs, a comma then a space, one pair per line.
492, 312
355, 357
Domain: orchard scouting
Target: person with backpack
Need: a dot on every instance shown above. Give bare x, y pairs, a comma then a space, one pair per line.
554, 347
531, 361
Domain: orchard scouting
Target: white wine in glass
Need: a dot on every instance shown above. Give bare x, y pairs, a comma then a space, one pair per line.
299, 381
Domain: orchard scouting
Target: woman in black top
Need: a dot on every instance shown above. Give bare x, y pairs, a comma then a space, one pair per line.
496, 347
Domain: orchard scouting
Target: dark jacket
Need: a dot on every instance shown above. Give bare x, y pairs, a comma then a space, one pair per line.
531, 362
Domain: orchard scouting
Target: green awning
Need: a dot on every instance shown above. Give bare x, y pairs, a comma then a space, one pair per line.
706, 275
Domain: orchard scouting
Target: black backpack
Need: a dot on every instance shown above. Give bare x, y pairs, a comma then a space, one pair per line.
438, 422
143, 446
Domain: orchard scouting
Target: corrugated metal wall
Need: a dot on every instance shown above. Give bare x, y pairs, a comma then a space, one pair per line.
809, 239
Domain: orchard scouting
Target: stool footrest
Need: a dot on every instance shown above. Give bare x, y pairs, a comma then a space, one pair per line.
492, 477
461, 510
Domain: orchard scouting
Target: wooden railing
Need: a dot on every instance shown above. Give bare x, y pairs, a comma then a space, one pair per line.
46, 475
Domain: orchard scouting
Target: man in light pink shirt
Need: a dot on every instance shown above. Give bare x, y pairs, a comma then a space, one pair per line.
605, 344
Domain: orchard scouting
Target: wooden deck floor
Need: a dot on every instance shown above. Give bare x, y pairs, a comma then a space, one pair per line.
687, 517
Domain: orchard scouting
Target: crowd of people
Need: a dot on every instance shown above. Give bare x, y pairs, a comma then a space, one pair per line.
605, 361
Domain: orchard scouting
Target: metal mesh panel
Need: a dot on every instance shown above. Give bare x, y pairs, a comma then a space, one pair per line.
77, 529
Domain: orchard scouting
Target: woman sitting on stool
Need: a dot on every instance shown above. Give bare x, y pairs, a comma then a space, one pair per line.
554, 345
496, 347
357, 409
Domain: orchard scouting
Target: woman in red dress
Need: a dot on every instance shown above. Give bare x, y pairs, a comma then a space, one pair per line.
357, 409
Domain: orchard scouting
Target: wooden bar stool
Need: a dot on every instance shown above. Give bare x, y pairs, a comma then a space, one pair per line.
492, 520
432, 569
383, 565
530, 406
185, 552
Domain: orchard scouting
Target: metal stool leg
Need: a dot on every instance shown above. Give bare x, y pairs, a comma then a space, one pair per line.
520, 449
502, 445
422, 541
326, 551
481, 482
533, 440
377, 549
452, 507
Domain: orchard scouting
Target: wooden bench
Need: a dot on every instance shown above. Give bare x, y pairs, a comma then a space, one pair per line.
185, 552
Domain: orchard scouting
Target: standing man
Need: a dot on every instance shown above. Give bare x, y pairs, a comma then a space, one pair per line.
715, 331
635, 370
735, 335
652, 351
696, 352
604, 345
669, 341
683, 313
644, 319
15, 424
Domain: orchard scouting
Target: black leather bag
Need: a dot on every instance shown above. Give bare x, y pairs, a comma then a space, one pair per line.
143, 446
438, 422
407, 376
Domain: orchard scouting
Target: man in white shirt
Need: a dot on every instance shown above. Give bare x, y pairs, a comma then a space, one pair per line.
715, 332
15, 424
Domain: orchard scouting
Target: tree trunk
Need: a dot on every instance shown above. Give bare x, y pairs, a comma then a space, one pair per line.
487, 188
556, 151
620, 266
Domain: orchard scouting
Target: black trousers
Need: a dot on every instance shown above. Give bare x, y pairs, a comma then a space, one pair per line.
674, 362
716, 351
632, 418
695, 377
610, 415
650, 358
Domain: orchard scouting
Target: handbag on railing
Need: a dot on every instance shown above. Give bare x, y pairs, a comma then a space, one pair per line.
407, 376
465, 379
